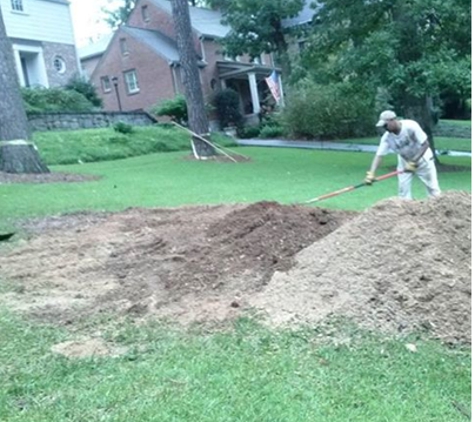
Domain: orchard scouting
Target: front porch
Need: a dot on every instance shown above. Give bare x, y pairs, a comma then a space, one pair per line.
249, 81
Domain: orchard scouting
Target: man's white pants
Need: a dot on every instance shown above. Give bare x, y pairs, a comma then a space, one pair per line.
426, 172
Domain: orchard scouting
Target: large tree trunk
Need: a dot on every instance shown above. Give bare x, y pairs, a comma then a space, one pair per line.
17, 154
197, 117
420, 110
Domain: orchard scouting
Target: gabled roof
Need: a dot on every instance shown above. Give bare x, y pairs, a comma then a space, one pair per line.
159, 43
95, 49
59, 1
306, 15
206, 22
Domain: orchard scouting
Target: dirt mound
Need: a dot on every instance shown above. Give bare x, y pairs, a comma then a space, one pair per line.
399, 266
187, 263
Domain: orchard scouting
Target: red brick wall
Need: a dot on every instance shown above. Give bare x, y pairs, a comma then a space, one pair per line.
158, 20
154, 75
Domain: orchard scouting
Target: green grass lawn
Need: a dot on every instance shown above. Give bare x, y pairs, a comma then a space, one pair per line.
442, 143
464, 123
171, 179
243, 372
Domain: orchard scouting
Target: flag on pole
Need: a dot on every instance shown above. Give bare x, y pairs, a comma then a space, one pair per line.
273, 84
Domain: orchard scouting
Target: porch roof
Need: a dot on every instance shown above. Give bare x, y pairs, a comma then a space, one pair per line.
238, 70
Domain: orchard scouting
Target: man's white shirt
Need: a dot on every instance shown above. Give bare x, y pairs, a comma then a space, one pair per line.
407, 143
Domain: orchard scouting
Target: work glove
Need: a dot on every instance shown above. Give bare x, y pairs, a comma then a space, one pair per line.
370, 178
410, 167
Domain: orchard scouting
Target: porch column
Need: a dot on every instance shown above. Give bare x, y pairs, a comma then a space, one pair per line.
19, 67
256, 107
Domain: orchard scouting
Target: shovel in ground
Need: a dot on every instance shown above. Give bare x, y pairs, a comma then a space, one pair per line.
350, 188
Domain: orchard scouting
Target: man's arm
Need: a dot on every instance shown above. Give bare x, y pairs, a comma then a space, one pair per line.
377, 160
411, 166
370, 175
422, 151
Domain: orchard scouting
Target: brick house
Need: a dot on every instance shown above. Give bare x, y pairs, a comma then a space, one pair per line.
140, 66
42, 37
91, 54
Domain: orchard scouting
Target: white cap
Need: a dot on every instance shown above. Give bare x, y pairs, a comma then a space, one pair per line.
385, 116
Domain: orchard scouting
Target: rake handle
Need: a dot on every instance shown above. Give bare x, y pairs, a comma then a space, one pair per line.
350, 188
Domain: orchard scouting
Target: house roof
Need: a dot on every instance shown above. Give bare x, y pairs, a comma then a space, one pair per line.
96, 48
206, 22
59, 1
306, 15
159, 43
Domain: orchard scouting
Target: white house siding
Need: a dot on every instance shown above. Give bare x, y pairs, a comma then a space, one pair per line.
41, 21
39, 34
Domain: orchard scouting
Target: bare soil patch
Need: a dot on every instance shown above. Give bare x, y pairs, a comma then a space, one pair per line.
54, 177
398, 266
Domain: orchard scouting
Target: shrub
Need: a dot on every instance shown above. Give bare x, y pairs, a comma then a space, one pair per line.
40, 100
226, 104
271, 131
80, 84
123, 127
334, 111
174, 108
247, 132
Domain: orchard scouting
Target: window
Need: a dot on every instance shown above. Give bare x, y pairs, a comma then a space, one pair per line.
59, 64
17, 5
106, 84
123, 47
145, 14
131, 82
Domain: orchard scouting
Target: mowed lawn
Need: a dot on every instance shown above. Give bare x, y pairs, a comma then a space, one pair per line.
240, 372
172, 179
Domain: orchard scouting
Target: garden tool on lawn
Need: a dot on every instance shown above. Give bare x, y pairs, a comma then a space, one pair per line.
350, 188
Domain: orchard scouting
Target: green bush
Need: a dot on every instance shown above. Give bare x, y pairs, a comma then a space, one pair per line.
273, 131
174, 108
335, 111
247, 132
226, 104
58, 100
123, 127
83, 86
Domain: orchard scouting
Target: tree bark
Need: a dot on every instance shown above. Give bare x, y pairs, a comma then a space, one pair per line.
420, 110
197, 116
17, 154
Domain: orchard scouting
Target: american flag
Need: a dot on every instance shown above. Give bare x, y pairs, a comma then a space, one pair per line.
273, 83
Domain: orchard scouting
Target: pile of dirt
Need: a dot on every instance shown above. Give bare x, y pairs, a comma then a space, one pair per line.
187, 263
398, 266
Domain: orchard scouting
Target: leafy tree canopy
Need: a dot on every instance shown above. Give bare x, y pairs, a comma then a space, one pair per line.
413, 48
256, 27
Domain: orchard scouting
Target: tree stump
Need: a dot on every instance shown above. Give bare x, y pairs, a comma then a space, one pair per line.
19, 156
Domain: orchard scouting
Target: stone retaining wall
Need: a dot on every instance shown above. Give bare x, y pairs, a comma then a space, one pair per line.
71, 121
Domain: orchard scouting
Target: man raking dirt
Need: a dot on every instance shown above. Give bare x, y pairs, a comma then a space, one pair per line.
407, 139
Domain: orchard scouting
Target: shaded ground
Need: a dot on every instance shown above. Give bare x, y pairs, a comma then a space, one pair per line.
398, 266
53, 177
